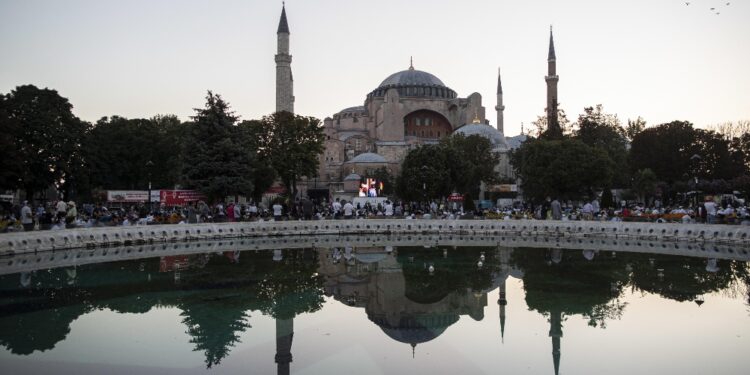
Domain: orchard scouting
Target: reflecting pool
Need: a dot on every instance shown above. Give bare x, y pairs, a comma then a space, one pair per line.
375, 307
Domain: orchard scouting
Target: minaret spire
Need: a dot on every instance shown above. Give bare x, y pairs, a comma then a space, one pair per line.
500, 107
411, 62
553, 125
551, 55
284, 79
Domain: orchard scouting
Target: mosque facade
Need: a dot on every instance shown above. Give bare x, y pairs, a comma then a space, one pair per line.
407, 109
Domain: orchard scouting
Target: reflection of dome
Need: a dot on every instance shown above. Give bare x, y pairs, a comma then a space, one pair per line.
370, 257
414, 83
416, 329
368, 157
497, 139
412, 78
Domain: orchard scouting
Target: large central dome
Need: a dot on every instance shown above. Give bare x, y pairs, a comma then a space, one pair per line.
412, 77
414, 83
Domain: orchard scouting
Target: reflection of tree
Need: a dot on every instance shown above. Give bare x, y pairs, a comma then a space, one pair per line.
456, 272
677, 278
291, 286
214, 324
39, 330
564, 281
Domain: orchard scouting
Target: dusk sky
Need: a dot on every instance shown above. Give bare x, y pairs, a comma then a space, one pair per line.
662, 60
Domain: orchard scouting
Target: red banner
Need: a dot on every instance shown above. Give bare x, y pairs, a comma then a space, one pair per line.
455, 197
180, 197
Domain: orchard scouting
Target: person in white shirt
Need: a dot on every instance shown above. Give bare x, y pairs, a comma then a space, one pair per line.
336, 207
277, 211
710, 211
588, 211
388, 208
348, 210
27, 220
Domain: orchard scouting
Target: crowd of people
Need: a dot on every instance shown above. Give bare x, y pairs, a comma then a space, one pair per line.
61, 214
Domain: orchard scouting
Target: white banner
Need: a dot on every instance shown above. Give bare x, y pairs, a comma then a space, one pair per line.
132, 196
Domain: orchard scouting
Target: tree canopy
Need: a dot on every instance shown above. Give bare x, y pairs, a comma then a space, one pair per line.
214, 160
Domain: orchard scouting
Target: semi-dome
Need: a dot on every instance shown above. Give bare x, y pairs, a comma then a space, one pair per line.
497, 139
368, 157
414, 83
353, 177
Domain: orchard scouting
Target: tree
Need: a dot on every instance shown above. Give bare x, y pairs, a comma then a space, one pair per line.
634, 127
264, 174
383, 175
292, 144
11, 163
48, 138
425, 174
603, 131
214, 161
541, 126
644, 184
117, 151
665, 149
472, 162
566, 169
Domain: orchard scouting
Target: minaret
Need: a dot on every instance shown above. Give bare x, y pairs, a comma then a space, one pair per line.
284, 80
552, 79
500, 107
502, 301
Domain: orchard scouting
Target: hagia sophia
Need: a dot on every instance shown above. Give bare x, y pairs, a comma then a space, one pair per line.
409, 108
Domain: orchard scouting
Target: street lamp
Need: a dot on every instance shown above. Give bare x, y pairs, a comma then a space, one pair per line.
149, 165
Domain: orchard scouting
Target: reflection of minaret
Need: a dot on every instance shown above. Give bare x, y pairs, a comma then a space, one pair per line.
502, 301
555, 331
284, 334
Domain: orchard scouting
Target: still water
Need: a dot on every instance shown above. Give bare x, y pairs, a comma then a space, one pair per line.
378, 310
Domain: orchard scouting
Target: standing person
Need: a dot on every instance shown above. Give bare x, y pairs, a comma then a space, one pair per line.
348, 210
388, 208
62, 209
595, 207
192, 214
253, 210
556, 210
237, 212
588, 211
230, 212
710, 210
277, 210
27, 220
72, 213
307, 208
336, 207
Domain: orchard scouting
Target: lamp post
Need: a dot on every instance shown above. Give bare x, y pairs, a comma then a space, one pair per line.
695, 161
149, 165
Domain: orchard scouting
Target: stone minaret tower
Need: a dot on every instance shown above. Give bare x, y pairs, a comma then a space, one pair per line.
500, 107
284, 80
552, 78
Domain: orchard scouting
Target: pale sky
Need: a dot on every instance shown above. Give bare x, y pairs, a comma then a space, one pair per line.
659, 59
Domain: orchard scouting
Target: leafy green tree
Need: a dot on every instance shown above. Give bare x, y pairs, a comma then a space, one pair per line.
214, 161
425, 174
264, 174
566, 169
383, 175
634, 127
48, 138
541, 127
11, 164
603, 131
292, 144
472, 162
665, 149
644, 184
118, 151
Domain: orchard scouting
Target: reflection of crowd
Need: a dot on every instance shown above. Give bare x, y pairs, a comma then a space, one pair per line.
61, 214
